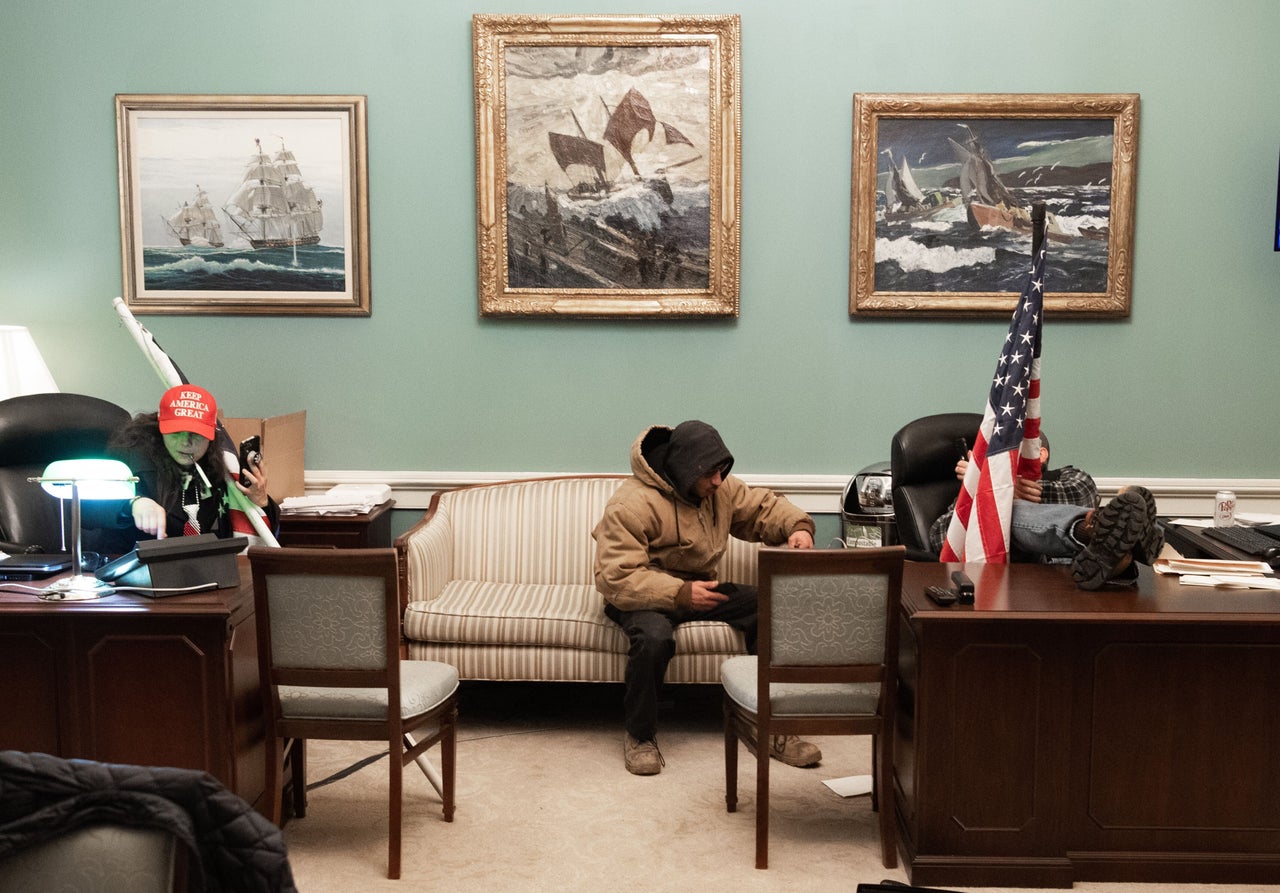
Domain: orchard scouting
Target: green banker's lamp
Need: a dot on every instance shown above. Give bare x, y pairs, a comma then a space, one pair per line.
78, 479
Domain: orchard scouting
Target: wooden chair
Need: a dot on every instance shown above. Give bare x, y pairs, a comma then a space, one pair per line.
827, 665
329, 640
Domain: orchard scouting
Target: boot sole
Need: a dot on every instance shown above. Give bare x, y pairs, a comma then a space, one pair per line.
1147, 550
1121, 525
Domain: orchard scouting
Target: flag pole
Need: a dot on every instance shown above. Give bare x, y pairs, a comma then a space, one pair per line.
1037, 228
169, 377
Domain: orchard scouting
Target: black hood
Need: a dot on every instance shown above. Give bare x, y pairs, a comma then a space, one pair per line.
685, 453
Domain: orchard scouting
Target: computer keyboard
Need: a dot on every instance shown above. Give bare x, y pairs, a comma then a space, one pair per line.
1246, 539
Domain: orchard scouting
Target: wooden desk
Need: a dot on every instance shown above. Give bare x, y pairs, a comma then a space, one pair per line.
128, 679
357, 531
1047, 735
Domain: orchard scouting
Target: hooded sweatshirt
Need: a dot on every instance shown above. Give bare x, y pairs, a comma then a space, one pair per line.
656, 534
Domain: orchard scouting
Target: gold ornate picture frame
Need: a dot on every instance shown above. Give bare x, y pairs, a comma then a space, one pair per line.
942, 188
607, 165
243, 205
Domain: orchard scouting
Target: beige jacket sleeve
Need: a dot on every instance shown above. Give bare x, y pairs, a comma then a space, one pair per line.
762, 516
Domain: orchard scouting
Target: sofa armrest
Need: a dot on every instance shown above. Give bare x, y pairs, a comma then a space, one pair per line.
427, 553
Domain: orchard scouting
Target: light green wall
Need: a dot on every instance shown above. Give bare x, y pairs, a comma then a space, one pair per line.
794, 384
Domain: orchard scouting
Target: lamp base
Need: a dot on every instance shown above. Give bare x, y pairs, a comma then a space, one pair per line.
79, 588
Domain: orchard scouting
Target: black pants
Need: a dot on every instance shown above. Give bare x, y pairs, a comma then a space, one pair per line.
652, 637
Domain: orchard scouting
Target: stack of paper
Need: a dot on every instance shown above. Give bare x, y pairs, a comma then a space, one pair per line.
1256, 519
348, 499
1219, 572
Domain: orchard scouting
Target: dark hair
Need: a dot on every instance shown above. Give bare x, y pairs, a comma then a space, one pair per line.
140, 443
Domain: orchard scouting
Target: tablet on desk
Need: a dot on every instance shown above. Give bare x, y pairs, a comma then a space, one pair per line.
33, 566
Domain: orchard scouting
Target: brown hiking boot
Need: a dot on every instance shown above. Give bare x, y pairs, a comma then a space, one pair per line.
642, 757
789, 749
794, 751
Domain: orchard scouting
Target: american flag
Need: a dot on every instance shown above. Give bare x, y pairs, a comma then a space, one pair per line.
1008, 444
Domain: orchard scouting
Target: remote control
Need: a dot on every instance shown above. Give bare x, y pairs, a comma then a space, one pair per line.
941, 596
964, 587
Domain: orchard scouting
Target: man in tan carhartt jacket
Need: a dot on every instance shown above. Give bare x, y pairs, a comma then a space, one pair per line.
657, 547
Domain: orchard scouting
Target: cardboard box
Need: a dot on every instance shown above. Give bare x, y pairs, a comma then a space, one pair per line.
283, 442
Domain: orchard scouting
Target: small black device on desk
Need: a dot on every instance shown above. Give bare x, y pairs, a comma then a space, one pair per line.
941, 596
960, 594
177, 563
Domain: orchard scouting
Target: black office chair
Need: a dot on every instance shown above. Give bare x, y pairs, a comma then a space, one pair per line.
36, 429
922, 460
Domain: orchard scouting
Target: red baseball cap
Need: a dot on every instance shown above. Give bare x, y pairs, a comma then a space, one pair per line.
188, 407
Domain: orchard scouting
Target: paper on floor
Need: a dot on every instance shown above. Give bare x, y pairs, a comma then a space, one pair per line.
850, 785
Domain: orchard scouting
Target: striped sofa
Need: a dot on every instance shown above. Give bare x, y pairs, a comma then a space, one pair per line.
498, 580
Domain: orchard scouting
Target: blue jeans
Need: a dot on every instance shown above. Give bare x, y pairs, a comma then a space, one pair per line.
1042, 529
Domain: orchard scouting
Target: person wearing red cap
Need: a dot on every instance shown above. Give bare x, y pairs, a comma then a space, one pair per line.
182, 482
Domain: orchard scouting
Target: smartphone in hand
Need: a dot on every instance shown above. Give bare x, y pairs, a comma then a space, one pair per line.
250, 455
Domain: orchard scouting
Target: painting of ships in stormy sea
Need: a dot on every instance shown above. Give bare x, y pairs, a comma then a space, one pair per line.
608, 170
942, 221
244, 211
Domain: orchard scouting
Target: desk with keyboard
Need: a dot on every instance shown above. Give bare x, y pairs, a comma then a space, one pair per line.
1229, 543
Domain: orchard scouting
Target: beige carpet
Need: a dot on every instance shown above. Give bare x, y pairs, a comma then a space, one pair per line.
544, 803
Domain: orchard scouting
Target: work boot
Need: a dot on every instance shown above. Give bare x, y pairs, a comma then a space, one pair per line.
789, 749
1147, 549
642, 757
1111, 535
794, 751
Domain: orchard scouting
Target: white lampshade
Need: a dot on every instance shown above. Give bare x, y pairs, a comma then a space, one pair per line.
93, 478
22, 369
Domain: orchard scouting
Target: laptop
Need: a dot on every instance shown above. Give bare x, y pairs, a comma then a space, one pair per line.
34, 566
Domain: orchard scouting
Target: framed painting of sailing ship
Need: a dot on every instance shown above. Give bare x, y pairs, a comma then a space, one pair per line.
244, 204
943, 186
607, 160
